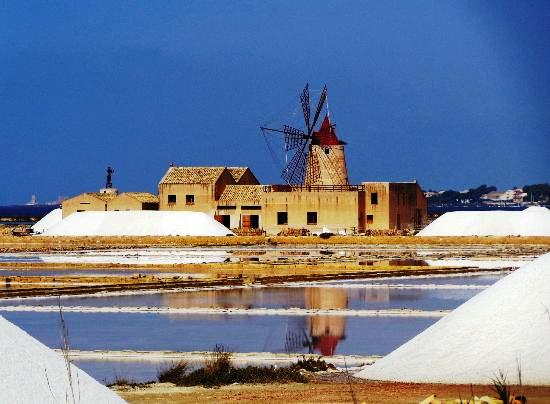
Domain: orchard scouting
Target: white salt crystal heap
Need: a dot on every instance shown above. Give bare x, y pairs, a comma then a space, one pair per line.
30, 372
503, 326
50, 220
533, 221
138, 223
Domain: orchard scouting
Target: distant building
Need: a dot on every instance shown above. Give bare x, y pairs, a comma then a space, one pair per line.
98, 201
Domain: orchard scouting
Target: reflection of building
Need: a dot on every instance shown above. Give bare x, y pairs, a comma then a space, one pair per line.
326, 331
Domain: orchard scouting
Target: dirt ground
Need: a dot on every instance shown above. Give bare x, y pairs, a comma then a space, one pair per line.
37, 243
320, 392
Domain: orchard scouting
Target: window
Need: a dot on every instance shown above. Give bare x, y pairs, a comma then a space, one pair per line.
189, 199
374, 198
84, 203
226, 207
171, 199
370, 219
327, 150
311, 217
282, 218
251, 207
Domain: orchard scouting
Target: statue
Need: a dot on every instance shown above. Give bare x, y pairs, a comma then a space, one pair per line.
109, 183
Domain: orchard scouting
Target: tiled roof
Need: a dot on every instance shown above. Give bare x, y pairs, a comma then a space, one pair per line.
242, 193
106, 197
237, 172
145, 197
192, 175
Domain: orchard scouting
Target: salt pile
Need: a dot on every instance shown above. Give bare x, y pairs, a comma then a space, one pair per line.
533, 221
506, 324
50, 220
32, 373
138, 223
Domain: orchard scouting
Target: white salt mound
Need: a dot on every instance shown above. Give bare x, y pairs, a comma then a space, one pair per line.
138, 223
50, 220
506, 324
533, 221
30, 372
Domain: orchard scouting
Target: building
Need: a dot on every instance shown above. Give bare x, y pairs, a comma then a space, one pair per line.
87, 201
274, 209
134, 201
103, 201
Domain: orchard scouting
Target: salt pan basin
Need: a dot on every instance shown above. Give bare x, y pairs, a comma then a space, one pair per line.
502, 328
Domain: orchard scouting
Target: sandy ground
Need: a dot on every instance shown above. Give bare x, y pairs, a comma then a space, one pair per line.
37, 243
339, 391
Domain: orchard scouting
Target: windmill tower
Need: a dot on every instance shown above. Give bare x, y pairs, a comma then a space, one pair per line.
318, 155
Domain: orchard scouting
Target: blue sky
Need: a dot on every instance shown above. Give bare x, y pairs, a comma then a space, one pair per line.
454, 94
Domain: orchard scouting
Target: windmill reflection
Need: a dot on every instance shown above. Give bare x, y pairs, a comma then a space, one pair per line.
320, 333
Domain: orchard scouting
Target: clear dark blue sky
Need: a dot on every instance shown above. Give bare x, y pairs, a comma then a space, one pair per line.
453, 93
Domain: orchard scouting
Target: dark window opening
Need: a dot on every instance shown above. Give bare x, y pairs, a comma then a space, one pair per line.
250, 221
171, 199
227, 207
150, 206
282, 218
81, 210
189, 199
327, 150
224, 219
374, 198
311, 217
251, 207
84, 203
370, 219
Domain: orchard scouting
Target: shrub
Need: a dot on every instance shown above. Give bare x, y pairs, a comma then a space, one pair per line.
312, 364
173, 373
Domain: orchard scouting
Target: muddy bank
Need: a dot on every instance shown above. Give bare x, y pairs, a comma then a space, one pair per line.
327, 387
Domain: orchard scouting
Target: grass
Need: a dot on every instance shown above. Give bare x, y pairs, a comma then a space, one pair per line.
218, 370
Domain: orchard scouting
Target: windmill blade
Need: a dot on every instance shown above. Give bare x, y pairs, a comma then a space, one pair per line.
294, 172
322, 100
304, 99
294, 138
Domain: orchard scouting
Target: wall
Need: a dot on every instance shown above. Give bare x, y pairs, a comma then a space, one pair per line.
125, 202
380, 211
83, 202
336, 210
405, 199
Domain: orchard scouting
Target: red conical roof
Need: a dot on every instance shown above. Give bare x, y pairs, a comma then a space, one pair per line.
326, 136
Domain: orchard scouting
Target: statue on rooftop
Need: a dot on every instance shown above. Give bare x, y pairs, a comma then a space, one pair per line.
109, 183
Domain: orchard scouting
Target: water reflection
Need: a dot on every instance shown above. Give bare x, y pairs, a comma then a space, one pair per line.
326, 331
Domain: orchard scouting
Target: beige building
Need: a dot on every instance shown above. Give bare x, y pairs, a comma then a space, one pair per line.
87, 201
134, 201
199, 188
103, 201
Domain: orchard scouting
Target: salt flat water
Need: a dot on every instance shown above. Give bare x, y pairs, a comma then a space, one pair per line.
321, 334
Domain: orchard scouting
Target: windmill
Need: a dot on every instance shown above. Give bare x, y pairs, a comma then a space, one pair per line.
318, 156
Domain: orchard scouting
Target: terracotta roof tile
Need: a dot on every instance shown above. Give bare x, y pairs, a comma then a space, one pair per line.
252, 194
192, 175
144, 197
237, 172
106, 197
